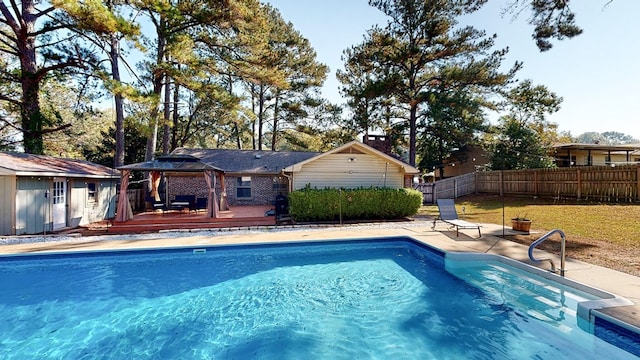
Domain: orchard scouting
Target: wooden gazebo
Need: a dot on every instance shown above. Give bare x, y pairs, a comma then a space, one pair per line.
168, 164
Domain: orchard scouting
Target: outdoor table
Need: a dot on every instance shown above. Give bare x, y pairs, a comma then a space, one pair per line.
179, 205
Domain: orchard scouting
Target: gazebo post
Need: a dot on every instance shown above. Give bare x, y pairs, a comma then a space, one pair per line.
123, 211
212, 205
223, 192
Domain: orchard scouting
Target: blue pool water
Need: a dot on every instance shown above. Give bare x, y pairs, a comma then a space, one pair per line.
377, 299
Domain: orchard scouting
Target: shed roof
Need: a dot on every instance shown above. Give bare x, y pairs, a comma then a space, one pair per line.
247, 161
21, 164
172, 163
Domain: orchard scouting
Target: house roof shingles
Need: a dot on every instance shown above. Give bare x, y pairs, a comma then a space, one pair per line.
247, 161
172, 163
40, 165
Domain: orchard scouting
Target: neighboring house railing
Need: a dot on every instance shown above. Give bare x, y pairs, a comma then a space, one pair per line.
595, 183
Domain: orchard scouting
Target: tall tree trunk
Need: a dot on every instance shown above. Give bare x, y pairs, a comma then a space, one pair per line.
274, 134
31, 116
237, 130
114, 56
158, 77
176, 116
412, 132
166, 129
253, 122
441, 157
260, 115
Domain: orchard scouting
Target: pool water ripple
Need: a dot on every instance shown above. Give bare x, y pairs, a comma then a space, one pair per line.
382, 303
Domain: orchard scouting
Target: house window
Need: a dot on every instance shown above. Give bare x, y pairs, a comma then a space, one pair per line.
243, 188
58, 192
92, 193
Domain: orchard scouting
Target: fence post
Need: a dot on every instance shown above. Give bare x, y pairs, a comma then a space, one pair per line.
455, 188
579, 189
638, 183
475, 182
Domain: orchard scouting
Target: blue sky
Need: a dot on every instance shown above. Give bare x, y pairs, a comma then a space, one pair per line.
596, 73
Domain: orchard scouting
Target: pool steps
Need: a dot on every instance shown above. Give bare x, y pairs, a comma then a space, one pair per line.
588, 314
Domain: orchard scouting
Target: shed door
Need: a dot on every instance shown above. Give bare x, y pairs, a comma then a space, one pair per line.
59, 200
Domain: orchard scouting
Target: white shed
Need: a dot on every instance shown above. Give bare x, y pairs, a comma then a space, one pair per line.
351, 165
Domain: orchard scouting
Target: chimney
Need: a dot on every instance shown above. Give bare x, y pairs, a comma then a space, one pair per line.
378, 142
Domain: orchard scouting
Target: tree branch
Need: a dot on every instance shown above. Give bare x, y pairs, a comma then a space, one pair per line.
40, 74
10, 20
46, 11
62, 127
3, 97
45, 29
11, 50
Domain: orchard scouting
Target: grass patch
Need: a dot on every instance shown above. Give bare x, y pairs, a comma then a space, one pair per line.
618, 224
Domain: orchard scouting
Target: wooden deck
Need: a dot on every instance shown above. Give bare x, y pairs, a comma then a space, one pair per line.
237, 216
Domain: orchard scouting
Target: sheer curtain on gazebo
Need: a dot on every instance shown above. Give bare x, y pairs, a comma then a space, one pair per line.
123, 211
212, 202
155, 184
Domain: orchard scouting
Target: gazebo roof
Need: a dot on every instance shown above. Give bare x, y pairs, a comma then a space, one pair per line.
172, 163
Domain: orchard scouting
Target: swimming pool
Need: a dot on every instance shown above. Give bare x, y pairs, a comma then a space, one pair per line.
377, 298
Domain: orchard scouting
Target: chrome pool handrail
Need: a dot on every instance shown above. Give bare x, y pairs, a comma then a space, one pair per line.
562, 250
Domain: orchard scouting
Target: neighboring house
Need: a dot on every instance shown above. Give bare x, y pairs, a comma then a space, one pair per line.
39, 194
254, 177
464, 161
470, 158
595, 154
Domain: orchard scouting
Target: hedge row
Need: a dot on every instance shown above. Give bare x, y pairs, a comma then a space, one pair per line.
354, 204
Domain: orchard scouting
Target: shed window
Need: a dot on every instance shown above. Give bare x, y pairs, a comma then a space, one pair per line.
243, 188
92, 193
58, 192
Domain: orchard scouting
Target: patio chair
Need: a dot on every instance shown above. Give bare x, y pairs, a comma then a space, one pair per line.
449, 215
156, 204
201, 204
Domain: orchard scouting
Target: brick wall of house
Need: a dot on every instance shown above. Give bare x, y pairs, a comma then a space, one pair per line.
263, 191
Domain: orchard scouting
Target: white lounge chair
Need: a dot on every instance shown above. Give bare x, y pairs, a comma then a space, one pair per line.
449, 215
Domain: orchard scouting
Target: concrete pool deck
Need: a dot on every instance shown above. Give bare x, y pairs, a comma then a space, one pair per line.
618, 283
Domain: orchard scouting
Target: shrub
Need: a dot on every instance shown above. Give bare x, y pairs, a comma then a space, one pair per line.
354, 204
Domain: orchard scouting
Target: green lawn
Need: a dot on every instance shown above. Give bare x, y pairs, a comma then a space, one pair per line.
615, 223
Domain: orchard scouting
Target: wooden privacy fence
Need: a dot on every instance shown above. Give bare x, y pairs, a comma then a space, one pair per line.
450, 188
136, 199
597, 183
